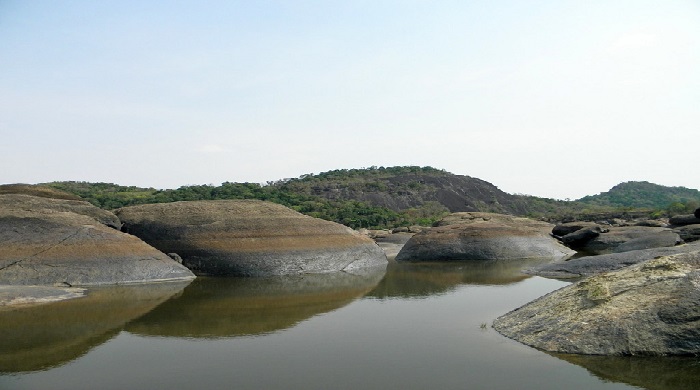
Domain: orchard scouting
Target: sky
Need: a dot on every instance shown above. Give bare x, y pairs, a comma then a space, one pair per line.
558, 99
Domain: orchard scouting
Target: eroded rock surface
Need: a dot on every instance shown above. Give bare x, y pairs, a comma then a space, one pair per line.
35, 203
42, 246
598, 240
651, 308
484, 236
249, 238
591, 265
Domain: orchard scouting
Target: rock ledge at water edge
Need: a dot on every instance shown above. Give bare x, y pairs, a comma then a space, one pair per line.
484, 236
651, 308
249, 238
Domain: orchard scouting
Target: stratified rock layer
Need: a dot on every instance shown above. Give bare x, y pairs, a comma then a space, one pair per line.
35, 203
484, 236
652, 308
42, 246
249, 238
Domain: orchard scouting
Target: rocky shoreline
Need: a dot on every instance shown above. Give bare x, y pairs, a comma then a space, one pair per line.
51, 245
636, 291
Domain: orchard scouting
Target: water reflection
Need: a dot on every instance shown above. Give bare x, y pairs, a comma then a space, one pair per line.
652, 373
408, 279
49, 335
229, 307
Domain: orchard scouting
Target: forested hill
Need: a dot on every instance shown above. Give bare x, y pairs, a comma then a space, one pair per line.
642, 194
402, 188
379, 197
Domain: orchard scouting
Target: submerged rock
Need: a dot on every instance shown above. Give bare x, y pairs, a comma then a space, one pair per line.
249, 238
48, 247
651, 308
484, 236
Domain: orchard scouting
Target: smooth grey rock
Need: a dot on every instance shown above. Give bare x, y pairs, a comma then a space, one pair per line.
46, 247
682, 220
591, 265
688, 233
563, 229
665, 238
620, 239
582, 236
651, 223
651, 308
484, 236
249, 238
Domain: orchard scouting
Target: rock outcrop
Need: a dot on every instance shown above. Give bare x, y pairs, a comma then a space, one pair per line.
597, 239
484, 236
48, 246
688, 233
249, 238
592, 265
36, 203
687, 226
652, 308
683, 220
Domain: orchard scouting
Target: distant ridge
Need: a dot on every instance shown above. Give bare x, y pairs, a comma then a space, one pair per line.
386, 197
642, 194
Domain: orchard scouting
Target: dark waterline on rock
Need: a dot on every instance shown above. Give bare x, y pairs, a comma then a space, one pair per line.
413, 326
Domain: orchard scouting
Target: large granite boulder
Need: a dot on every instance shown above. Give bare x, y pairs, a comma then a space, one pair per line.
563, 229
683, 220
36, 203
249, 238
651, 308
484, 236
48, 247
591, 265
597, 240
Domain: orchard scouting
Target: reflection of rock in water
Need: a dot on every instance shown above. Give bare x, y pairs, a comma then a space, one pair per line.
651, 373
230, 306
44, 336
424, 279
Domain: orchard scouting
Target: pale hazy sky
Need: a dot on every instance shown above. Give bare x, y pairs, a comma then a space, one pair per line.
551, 98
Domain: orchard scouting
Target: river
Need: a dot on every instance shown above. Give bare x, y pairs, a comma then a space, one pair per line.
409, 326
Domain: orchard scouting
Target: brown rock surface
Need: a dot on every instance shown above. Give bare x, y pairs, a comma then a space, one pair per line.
47, 247
249, 238
484, 236
35, 203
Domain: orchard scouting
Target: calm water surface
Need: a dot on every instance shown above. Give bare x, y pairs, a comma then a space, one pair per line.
411, 326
